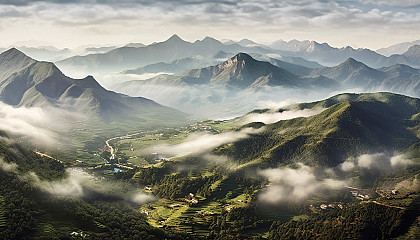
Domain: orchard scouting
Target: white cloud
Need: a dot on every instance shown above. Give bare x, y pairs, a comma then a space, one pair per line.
276, 105
200, 143
376, 161
123, 21
31, 122
400, 160
72, 185
142, 198
39, 124
272, 117
78, 183
347, 166
8, 167
289, 184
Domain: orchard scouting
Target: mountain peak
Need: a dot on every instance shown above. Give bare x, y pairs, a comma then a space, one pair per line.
208, 39
246, 42
413, 51
13, 53
174, 38
352, 63
13, 60
242, 57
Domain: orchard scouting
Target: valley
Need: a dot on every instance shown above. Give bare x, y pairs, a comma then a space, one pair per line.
195, 192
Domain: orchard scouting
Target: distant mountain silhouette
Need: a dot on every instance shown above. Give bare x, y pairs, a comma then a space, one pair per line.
239, 72
351, 72
397, 78
27, 82
133, 57
398, 48
329, 56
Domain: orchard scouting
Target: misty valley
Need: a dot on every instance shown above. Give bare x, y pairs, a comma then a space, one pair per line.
210, 140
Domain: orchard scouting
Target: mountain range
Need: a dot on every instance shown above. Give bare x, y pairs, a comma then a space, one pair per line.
329, 56
30, 83
176, 66
224, 87
109, 59
292, 64
398, 48
354, 74
242, 77
174, 48
238, 73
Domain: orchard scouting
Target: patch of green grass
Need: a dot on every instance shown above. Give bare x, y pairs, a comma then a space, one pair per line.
240, 201
222, 126
211, 208
136, 149
300, 217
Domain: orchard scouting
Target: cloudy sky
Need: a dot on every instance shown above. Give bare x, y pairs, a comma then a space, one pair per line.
67, 23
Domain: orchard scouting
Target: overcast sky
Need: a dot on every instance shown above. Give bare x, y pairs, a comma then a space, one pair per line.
67, 23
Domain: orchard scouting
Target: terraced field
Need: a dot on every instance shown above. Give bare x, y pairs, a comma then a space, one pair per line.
56, 221
190, 219
3, 218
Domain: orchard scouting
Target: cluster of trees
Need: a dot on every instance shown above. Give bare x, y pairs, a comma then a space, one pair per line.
149, 176
179, 185
238, 223
361, 221
18, 207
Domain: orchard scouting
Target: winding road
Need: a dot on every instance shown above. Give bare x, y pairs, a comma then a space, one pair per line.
46, 155
120, 137
386, 205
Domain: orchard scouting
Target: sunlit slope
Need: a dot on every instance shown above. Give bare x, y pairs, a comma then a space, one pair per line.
351, 125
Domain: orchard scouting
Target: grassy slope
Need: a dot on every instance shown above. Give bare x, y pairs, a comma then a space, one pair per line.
355, 125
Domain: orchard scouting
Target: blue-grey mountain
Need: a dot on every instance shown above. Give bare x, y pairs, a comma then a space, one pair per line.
30, 83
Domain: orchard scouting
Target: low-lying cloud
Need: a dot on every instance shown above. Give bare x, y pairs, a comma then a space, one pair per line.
8, 167
39, 124
73, 185
142, 198
289, 184
376, 161
109, 80
79, 183
200, 143
272, 117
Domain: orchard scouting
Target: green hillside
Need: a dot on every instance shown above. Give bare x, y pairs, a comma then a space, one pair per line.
228, 191
351, 125
26, 212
